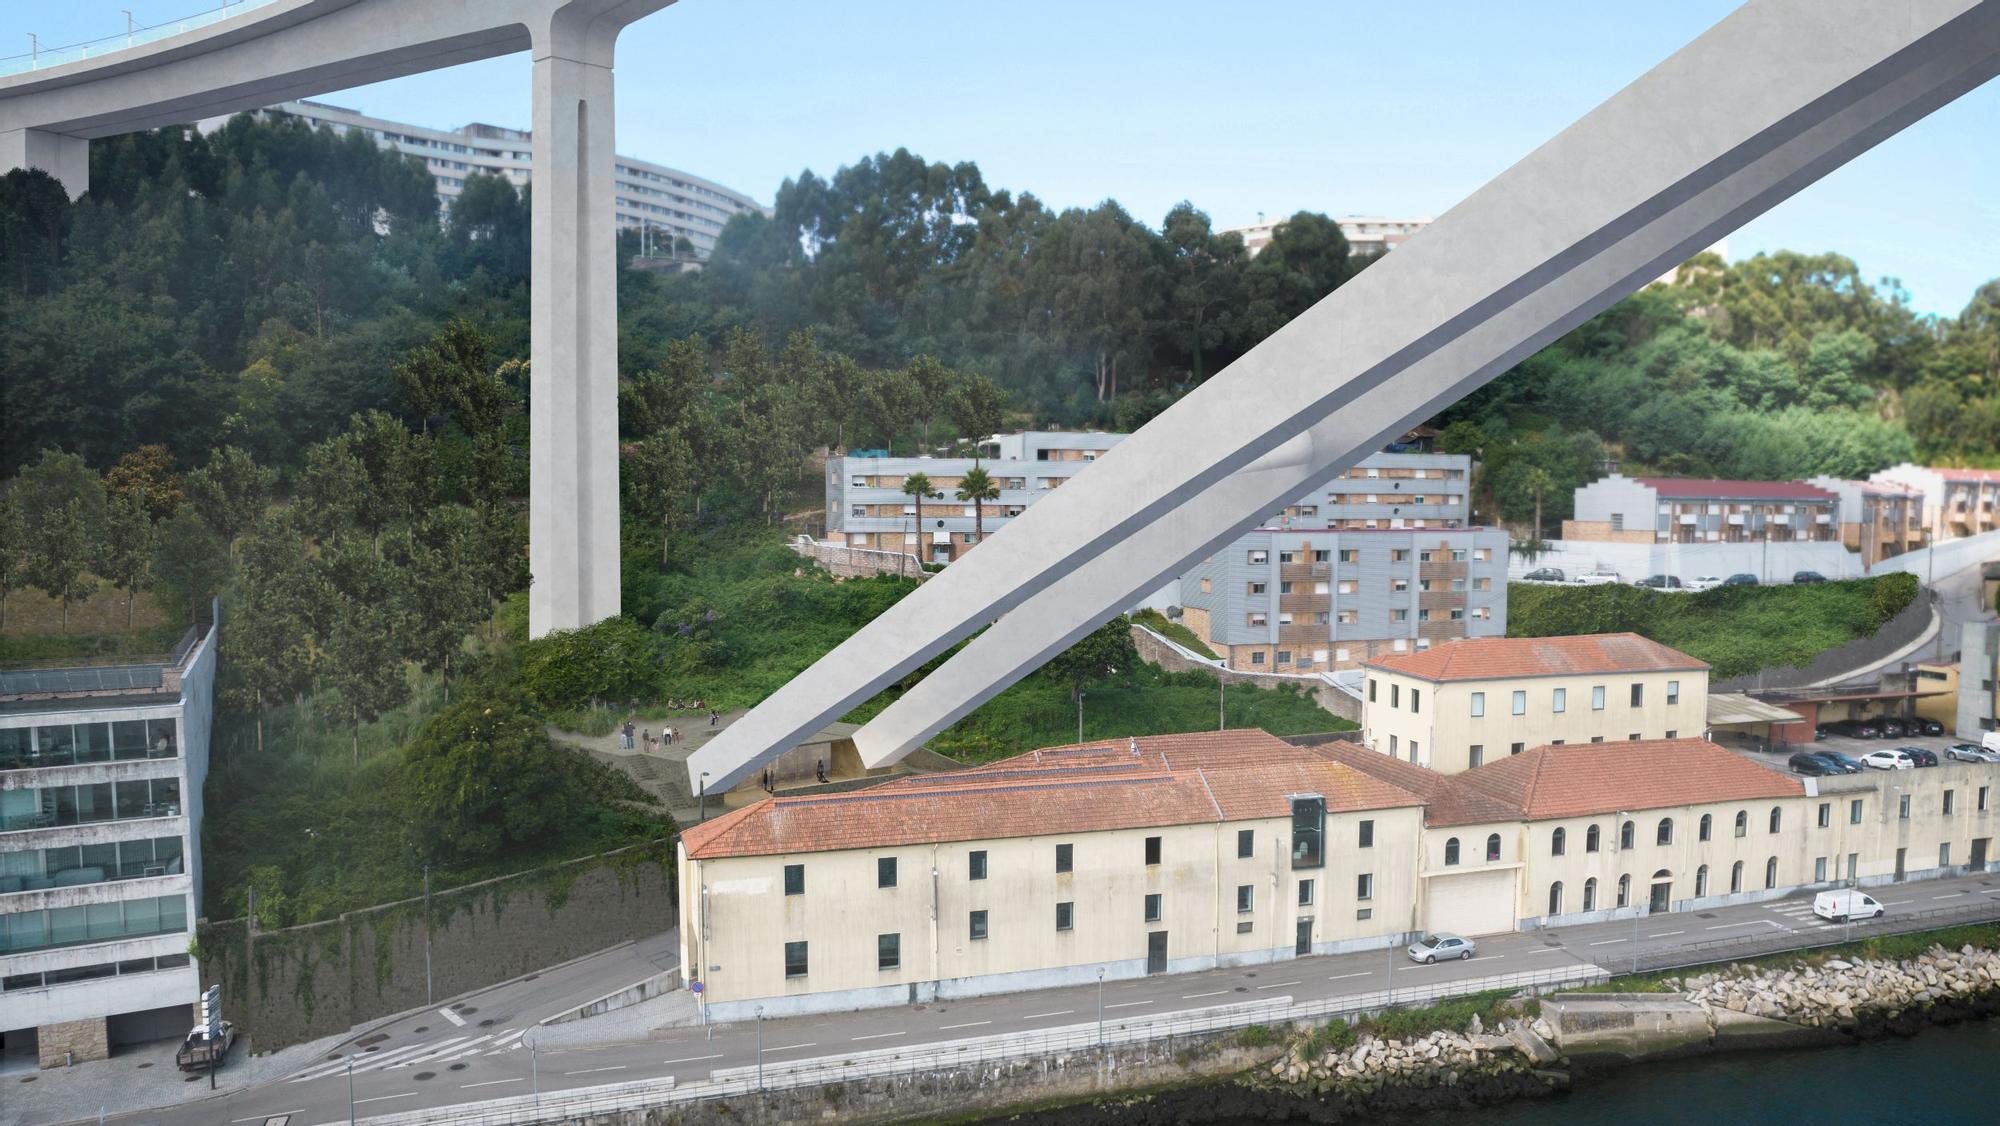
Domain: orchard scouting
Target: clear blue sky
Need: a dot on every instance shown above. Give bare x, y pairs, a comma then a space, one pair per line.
1253, 106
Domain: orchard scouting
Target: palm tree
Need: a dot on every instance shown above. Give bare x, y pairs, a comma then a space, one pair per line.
1538, 479
917, 486
978, 487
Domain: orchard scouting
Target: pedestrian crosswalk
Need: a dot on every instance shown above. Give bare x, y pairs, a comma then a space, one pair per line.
1798, 910
430, 1052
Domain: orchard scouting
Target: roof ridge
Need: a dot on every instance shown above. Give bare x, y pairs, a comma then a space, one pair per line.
1205, 788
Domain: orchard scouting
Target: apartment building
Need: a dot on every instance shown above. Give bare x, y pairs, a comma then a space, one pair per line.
1458, 705
1621, 509
1167, 854
1956, 502
1314, 599
1878, 519
1978, 710
1365, 234
651, 197
101, 772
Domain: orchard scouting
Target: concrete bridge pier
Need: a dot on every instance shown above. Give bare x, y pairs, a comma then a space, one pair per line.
64, 157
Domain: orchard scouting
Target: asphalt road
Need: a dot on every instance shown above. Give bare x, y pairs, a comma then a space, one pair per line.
441, 1067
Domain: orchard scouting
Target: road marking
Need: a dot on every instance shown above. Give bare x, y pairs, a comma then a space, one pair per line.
1749, 923
467, 1048
1543, 950
1344, 977
1898, 902
1607, 941
1278, 985
267, 1117
949, 1027
1210, 993
694, 1059
791, 1047
453, 1017
595, 1070
886, 1035
1127, 1004
488, 1083
1057, 1013
385, 1098
365, 1063
1665, 934
1951, 895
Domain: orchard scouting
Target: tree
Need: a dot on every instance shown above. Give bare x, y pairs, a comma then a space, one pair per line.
13, 549
977, 406
230, 492
190, 564
128, 547
481, 778
977, 486
147, 474
370, 681
1536, 481
61, 548
441, 590
1095, 656
917, 486
1204, 270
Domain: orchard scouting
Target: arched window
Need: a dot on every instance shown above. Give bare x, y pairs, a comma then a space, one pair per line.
1736, 877
1771, 872
1777, 817
1742, 822
1556, 898
1625, 835
1624, 890
1590, 839
1665, 833
1451, 852
1557, 840
1492, 848
1707, 826
1590, 894
1701, 881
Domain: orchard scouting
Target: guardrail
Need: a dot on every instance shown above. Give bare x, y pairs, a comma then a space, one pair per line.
1980, 910
44, 57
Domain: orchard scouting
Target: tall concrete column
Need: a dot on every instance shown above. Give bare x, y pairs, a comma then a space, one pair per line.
64, 157
573, 389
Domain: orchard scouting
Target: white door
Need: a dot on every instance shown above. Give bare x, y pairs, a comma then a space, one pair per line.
1470, 903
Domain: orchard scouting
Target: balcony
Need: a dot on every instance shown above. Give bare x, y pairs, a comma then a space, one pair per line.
57, 806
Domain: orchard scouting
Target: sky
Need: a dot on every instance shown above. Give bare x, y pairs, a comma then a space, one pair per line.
1245, 108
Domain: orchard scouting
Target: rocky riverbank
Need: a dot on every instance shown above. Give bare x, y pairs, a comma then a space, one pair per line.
1852, 995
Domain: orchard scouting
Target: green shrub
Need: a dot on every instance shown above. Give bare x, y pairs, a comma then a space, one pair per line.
1175, 632
614, 660
1256, 1036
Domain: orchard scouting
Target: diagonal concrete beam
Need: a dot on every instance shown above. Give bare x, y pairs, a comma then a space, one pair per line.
1055, 616
1766, 75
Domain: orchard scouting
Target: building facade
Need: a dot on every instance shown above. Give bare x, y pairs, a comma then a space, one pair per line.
1878, 519
1366, 234
101, 773
1978, 672
1315, 599
1621, 509
1956, 502
650, 197
1459, 705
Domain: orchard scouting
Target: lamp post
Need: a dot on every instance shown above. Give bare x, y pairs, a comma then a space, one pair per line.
1221, 702
760, 1047
704, 797
350, 1093
1100, 1006
128, 25
1079, 715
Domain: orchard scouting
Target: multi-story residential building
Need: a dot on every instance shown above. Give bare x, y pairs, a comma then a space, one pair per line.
1173, 853
1460, 704
101, 773
1621, 509
1315, 599
652, 197
1878, 519
1978, 674
1365, 234
1956, 502
1390, 490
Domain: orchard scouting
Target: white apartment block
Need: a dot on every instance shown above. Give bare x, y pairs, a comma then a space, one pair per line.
1955, 503
1366, 234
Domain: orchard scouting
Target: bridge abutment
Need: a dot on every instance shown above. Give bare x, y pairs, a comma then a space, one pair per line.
64, 157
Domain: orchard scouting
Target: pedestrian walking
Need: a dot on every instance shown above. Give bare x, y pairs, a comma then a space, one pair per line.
626, 734
713, 716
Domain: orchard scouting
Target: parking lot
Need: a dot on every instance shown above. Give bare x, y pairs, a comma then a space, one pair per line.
1776, 758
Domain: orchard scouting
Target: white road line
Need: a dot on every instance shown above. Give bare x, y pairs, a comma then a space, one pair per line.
1897, 902
694, 1059
467, 1048
1750, 923
266, 1117
1278, 985
364, 1062
453, 1017
791, 1048
385, 1098
1543, 950
1665, 934
968, 1024
1951, 895
1210, 993
488, 1083
1488, 957
886, 1035
595, 1070
1057, 1013
1127, 1004
1607, 941
1343, 977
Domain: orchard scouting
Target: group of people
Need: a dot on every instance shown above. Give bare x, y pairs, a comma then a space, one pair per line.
628, 733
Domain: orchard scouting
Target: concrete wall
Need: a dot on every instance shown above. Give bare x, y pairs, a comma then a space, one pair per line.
288, 986
1774, 562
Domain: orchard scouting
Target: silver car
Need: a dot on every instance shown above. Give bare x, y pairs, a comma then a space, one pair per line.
1432, 947
1970, 752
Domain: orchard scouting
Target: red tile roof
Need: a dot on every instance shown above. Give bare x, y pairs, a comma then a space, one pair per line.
1497, 658
1580, 780
1706, 487
1968, 474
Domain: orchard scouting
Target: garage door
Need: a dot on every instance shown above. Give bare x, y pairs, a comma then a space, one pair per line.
1470, 903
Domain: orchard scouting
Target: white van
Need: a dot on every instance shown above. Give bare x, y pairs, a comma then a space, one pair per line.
1990, 742
1840, 906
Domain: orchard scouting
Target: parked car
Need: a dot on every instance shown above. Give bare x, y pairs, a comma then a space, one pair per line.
1545, 575
200, 1051
1853, 728
1704, 582
1846, 903
1596, 578
1922, 756
1886, 759
1926, 727
1846, 764
1812, 765
1819, 732
1808, 577
1740, 578
1432, 947
1971, 752
1890, 728
1661, 582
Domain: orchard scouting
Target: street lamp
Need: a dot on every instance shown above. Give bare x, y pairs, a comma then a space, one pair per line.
1221, 702
1100, 1006
704, 796
350, 1092
760, 1047
1079, 715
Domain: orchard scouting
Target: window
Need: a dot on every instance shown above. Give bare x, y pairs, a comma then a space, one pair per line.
1392, 746
1949, 795
1560, 702
1478, 705
1520, 703
795, 959
1516, 748
1707, 828
1285, 655
1597, 698
976, 865
1558, 841
1590, 894
1736, 877
1672, 734
1371, 689
1065, 916
1854, 812
885, 872
1364, 886
1153, 907
1492, 848
888, 951
1665, 833
1257, 658
1476, 755
1819, 869
1305, 893
1771, 873
1395, 695
1625, 835
1903, 808
1366, 834
1065, 858
1590, 839
1777, 817
1451, 852
1308, 831
1244, 896
1556, 898
1742, 823
1152, 850
1638, 695
1982, 799
1701, 881
1413, 750
1416, 698
795, 879
1246, 843
1826, 815
1944, 855
1624, 890
1634, 737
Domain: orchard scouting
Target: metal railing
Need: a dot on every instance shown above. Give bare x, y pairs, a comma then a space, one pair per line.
40, 58
1980, 910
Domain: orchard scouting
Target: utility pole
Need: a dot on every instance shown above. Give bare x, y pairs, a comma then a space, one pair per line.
704, 797
428, 996
1100, 1006
128, 25
34, 51
1221, 702
760, 1047
350, 1093
1079, 715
